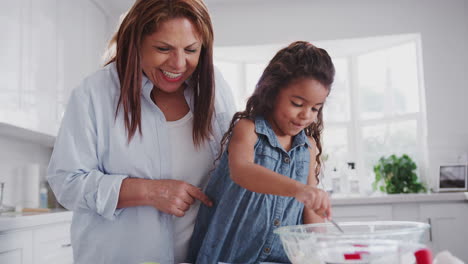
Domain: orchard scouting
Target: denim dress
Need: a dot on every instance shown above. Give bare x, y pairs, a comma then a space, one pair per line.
238, 228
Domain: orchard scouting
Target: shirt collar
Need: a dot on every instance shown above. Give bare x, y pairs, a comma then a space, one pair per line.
263, 127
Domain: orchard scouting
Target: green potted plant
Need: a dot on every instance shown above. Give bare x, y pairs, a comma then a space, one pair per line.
397, 175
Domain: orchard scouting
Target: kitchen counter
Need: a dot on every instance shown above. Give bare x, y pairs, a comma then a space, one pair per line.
402, 198
15, 220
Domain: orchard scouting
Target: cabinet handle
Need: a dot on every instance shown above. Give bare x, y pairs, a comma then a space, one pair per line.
430, 228
66, 245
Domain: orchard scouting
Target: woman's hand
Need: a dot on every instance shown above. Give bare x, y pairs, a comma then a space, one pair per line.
174, 197
315, 199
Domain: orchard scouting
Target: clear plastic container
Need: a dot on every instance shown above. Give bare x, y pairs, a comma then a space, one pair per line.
368, 251
302, 242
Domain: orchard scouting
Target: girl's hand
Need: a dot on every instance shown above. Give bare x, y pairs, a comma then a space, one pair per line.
315, 199
174, 197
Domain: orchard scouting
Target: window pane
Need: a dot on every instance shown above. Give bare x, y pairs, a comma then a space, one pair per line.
335, 145
385, 139
232, 74
372, 80
388, 81
253, 72
337, 106
403, 69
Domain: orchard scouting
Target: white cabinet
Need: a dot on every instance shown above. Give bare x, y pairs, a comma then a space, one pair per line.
446, 213
39, 95
45, 244
36, 239
448, 231
12, 57
49, 47
16, 247
52, 244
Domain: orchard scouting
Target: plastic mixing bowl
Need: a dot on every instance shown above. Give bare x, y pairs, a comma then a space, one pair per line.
301, 242
368, 251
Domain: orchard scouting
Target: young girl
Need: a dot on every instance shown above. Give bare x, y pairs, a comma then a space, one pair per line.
268, 175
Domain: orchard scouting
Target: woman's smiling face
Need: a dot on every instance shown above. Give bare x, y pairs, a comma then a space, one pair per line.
170, 55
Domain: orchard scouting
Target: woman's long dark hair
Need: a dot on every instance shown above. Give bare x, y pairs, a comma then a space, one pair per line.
142, 20
300, 60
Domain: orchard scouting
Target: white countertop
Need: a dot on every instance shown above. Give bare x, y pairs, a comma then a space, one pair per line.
12, 220
402, 198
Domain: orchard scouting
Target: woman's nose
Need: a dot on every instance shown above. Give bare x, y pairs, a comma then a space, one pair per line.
177, 60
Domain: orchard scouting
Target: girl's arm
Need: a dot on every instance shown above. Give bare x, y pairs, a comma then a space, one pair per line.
252, 176
310, 216
259, 179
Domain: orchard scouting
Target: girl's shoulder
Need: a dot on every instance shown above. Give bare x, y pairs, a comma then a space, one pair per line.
244, 127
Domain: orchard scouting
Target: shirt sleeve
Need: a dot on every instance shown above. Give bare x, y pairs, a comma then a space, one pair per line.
74, 172
226, 101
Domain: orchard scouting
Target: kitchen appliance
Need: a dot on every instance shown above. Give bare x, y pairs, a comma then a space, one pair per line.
361, 243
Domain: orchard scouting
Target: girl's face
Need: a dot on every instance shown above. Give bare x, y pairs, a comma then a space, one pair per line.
170, 55
297, 106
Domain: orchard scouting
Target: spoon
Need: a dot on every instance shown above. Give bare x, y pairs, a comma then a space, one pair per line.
334, 223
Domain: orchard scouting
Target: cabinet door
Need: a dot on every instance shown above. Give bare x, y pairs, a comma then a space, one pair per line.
82, 32
52, 244
362, 213
40, 95
12, 57
448, 227
16, 247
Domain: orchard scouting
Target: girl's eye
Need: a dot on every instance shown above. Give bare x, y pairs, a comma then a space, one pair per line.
296, 104
315, 109
191, 50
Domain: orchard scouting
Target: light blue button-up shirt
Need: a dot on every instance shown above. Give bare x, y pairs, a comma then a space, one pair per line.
91, 157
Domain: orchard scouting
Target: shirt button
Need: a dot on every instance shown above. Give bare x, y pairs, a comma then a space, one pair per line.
286, 160
266, 250
276, 222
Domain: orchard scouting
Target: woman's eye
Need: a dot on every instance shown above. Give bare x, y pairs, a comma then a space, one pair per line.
162, 49
191, 50
296, 104
315, 109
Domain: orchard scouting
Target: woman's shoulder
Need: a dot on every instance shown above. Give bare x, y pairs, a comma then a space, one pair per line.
101, 83
224, 99
103, 79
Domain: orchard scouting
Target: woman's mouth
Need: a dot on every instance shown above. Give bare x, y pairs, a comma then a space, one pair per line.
171, 76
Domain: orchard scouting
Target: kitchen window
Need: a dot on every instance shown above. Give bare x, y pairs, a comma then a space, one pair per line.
375, 107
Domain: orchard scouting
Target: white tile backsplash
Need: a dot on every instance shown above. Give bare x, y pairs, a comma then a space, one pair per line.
15, 154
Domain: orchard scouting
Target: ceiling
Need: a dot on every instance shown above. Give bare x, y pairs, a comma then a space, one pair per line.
115, 8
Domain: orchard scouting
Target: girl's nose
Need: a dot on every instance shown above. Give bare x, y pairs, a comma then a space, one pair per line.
308, 114
177, 60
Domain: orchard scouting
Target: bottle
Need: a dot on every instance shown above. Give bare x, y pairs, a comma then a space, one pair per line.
335, 179
353, 180
43, 197
344, 180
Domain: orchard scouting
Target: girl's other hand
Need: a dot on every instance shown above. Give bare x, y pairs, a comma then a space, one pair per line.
173, 196
315, 199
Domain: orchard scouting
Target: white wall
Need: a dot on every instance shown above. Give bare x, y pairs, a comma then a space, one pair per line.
443, 26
